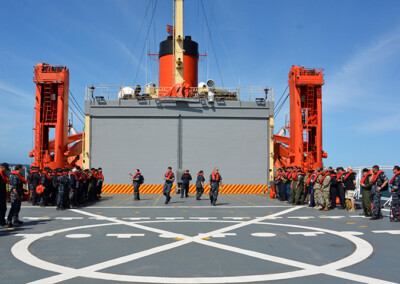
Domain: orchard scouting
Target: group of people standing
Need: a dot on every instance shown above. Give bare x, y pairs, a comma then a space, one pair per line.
320, 188
64, 188
215, 183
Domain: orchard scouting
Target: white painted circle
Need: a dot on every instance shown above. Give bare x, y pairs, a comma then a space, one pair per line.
263, 235
363, 250
78, 236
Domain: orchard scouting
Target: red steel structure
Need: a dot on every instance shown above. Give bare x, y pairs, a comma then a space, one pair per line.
304, 146
51, 112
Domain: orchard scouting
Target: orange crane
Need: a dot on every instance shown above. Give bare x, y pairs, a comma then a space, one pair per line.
304, 146
51, 112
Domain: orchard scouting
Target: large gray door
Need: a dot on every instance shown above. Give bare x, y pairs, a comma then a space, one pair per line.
239, 147
121, 145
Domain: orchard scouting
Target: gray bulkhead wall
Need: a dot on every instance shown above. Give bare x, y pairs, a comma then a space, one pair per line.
233, 136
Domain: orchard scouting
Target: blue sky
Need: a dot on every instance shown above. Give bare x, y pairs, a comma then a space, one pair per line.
356, 42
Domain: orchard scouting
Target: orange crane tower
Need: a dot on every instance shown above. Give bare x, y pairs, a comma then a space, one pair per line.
304, 146
51, 112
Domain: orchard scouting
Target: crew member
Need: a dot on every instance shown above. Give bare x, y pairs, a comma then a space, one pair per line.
99, 181
286, 181
317, 187
200, 185
186, 178
4, 180
325, 187
299, 189
366, 186
169, 178
215, 182
380, 183
310, 184
35, 180
74, 186
334, 189
341, 188
293, 185
17, 191
280, 185
395, 183
92, 185
349, 181
45, 181
137, 180
62, 185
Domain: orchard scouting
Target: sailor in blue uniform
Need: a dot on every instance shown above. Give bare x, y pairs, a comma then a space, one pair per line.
17, 182
395, 184
380, 183
169, 178
215, 182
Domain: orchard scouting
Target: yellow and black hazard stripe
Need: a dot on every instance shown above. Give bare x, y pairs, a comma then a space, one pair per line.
158, 189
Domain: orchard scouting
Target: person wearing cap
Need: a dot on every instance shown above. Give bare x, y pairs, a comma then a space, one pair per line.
380, 184
200, 185
326, 187
186, 178
366, 186
137, 180
4, 180
17, 182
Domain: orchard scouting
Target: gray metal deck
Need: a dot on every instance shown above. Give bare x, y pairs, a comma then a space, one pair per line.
246, 238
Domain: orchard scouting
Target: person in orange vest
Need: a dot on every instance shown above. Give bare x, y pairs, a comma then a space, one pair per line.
366, 186
100, 181
395, 184
341, 173
214, 182
299, 187
169, 179
280, 185
380, 184
17, 182
4, 180
349, 181
45, 180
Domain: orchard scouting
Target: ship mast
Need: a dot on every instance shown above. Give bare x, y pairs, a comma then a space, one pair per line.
178, 41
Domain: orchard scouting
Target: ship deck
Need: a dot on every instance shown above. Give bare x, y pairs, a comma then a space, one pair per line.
246, 238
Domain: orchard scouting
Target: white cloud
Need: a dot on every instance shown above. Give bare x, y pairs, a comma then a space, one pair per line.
6, 88
360, 78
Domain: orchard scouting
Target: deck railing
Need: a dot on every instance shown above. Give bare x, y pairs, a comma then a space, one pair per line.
113, 92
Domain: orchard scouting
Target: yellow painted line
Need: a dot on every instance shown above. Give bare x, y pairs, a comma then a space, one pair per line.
231, 211
322, 215
125, 200
45, 216
205, 238
243, 200
184, 210
158, 198
10, 229
179, 239
362, 226
98, 212
350, 223
270, 212
137, 212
